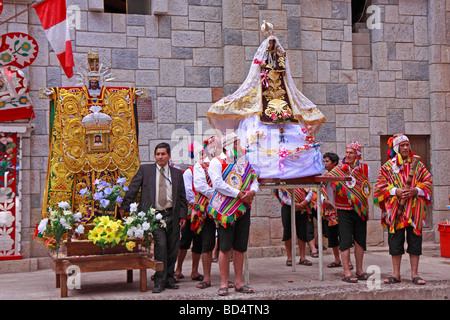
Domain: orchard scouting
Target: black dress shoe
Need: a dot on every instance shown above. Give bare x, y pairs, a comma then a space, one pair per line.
172, 286
158, 289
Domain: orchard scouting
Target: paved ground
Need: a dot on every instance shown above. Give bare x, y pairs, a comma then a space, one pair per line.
270, 278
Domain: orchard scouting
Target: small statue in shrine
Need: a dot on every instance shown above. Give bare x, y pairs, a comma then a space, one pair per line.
94, 86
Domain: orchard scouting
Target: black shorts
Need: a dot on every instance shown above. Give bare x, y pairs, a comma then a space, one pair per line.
396, 242
188, 236
351, 228
208, 235
333, 236
235, 236
302, 224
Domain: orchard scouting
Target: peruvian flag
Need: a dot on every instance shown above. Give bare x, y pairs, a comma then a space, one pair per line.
52, 14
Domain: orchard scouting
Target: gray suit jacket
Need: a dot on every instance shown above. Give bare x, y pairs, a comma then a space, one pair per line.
145, 181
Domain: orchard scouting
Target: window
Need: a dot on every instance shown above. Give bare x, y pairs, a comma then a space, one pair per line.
127, 6
359, 14
360, 35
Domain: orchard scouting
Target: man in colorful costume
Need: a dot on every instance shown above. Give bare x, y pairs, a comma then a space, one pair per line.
304, 207
352, 208
330, 215
201, 223
235, 184
390, 189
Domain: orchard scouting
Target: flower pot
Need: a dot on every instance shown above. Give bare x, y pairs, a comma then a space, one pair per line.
87, 247
444, 229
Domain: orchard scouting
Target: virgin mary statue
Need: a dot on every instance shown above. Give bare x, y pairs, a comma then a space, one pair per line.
274, 121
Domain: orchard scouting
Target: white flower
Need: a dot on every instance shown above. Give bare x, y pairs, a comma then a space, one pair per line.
77, 216
159, 216
130, 232
145, 226
141, 214
97, 181
139, 233
163, 224
79, 229
65, 224
133, 207
64, 205
43, 225
129, 220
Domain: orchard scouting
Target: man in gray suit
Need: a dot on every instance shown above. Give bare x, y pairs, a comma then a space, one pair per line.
162, 188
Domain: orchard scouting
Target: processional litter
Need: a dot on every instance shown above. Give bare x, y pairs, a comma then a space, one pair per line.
276, 124
92, 136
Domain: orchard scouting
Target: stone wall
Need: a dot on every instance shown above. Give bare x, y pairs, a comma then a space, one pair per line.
196, 51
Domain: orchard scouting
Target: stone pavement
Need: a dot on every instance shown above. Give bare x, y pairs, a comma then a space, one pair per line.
270, 278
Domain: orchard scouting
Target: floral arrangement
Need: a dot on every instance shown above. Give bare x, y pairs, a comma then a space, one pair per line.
107, 195
59, 224
141, 224
309, 134
107, 232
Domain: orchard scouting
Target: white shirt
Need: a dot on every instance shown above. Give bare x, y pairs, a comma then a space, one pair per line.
200, 183
215, 173
168, 186
187, 178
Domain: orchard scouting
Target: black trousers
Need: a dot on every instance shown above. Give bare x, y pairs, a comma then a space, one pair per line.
166, 250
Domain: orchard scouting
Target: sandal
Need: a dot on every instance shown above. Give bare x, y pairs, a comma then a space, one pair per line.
289, 263
223, 291
177, 277
230, 284
363, 276
315, 254
417, 280
244, 289
350, 279
392, 280
305, 262
198, 278
334, 265
203, 285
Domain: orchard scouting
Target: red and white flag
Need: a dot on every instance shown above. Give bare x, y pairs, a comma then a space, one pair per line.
53, 16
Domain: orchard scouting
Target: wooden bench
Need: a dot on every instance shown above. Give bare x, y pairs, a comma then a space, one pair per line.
108, 262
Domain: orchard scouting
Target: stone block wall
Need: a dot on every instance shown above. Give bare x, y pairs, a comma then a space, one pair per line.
196, 51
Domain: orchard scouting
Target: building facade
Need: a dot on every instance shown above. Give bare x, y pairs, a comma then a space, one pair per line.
374, 71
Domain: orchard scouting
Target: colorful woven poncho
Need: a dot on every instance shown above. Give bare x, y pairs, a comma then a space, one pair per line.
355, 195
226, 210
394, 173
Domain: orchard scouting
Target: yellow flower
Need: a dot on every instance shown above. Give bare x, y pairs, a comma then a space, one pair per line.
130, 245
108, 237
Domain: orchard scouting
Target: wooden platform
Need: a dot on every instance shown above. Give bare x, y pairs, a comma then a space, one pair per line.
108, 262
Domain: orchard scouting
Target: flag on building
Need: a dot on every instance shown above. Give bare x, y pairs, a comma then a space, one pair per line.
53, 16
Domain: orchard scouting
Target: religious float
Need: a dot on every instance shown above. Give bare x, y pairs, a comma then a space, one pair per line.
273, 119
93, 156
276, 125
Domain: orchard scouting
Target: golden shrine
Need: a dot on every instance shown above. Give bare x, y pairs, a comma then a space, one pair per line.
92, 136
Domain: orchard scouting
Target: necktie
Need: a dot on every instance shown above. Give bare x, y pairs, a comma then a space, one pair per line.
162, 193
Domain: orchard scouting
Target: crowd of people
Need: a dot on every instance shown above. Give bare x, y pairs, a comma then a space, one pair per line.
207, 210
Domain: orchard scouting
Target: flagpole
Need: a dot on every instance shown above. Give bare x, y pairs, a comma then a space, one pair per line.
23, 11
